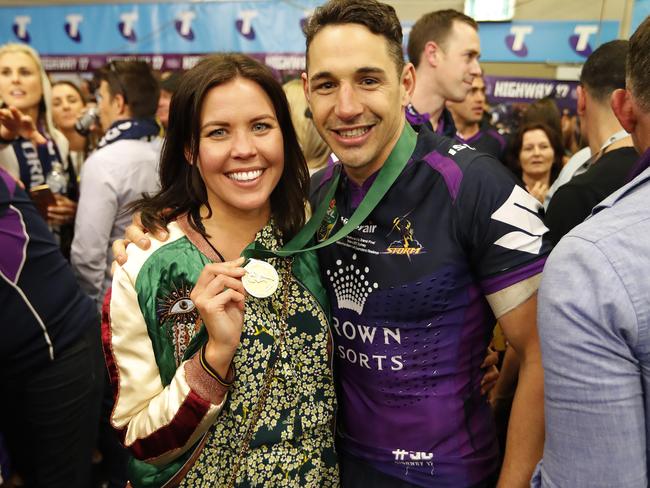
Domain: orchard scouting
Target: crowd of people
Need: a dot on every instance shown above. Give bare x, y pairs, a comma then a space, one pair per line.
298, 284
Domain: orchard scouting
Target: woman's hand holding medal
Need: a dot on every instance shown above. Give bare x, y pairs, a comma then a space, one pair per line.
219, 297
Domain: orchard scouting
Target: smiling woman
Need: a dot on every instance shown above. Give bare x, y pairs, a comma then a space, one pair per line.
67, 106
30, 146
193, 353
536, 157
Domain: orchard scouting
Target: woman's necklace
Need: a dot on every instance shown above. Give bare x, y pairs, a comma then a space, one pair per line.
214, 248
199, 222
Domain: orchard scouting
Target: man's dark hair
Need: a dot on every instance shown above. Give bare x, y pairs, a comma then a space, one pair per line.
604, 70
434, 26
135, 81
545, 111
377, 17
182, 187
638, 65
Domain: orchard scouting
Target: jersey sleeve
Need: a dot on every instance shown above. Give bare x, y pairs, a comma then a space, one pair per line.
500, 225
156, 422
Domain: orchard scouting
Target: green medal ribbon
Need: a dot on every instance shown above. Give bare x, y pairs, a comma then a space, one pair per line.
389, 172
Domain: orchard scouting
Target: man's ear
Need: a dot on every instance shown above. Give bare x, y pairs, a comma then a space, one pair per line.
407, 82
623, 107
120, 104
305, 85
431, 53
582, 100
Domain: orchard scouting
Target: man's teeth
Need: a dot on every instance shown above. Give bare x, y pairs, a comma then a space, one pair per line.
353, 132
245, 175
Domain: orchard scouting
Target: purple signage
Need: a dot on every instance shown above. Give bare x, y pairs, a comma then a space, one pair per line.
506, 89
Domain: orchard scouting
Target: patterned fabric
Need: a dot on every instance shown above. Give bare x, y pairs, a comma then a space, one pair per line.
161, 415
293, 444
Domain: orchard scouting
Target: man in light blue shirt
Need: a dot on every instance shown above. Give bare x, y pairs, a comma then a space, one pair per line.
124, 166
594, 321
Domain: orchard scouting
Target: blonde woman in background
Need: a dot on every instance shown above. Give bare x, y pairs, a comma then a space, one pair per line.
316, 151
30, 145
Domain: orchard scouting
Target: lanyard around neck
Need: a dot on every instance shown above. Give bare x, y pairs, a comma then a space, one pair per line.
388, 174
612, 139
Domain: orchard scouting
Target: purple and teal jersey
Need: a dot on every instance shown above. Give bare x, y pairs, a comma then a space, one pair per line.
411, 321
486, 140
445, 125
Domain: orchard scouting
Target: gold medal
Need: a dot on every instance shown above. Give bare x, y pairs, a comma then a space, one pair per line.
261, 279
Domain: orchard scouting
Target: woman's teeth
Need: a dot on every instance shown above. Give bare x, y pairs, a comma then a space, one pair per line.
245, 175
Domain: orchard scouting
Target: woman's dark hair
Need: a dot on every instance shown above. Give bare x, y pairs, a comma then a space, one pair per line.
73, 86
512, 157
182, 188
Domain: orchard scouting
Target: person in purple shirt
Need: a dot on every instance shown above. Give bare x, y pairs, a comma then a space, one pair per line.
444, 48
50, 356
594, 321
468, 115
415, 289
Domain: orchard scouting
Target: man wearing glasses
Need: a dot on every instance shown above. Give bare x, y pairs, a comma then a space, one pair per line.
122, 168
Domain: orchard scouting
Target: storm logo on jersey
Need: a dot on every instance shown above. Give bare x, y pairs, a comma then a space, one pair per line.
407, 244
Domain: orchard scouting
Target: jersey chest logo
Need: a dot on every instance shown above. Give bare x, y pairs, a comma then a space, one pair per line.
406, 244
351, 285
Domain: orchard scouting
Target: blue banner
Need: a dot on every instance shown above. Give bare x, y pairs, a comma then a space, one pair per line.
247, 27
257, 27
640, 12
542, 41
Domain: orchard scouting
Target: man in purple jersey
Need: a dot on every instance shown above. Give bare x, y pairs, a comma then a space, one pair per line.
468, 116
444, 48
416, 287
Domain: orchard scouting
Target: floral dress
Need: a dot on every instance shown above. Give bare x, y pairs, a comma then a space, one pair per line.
293, 441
